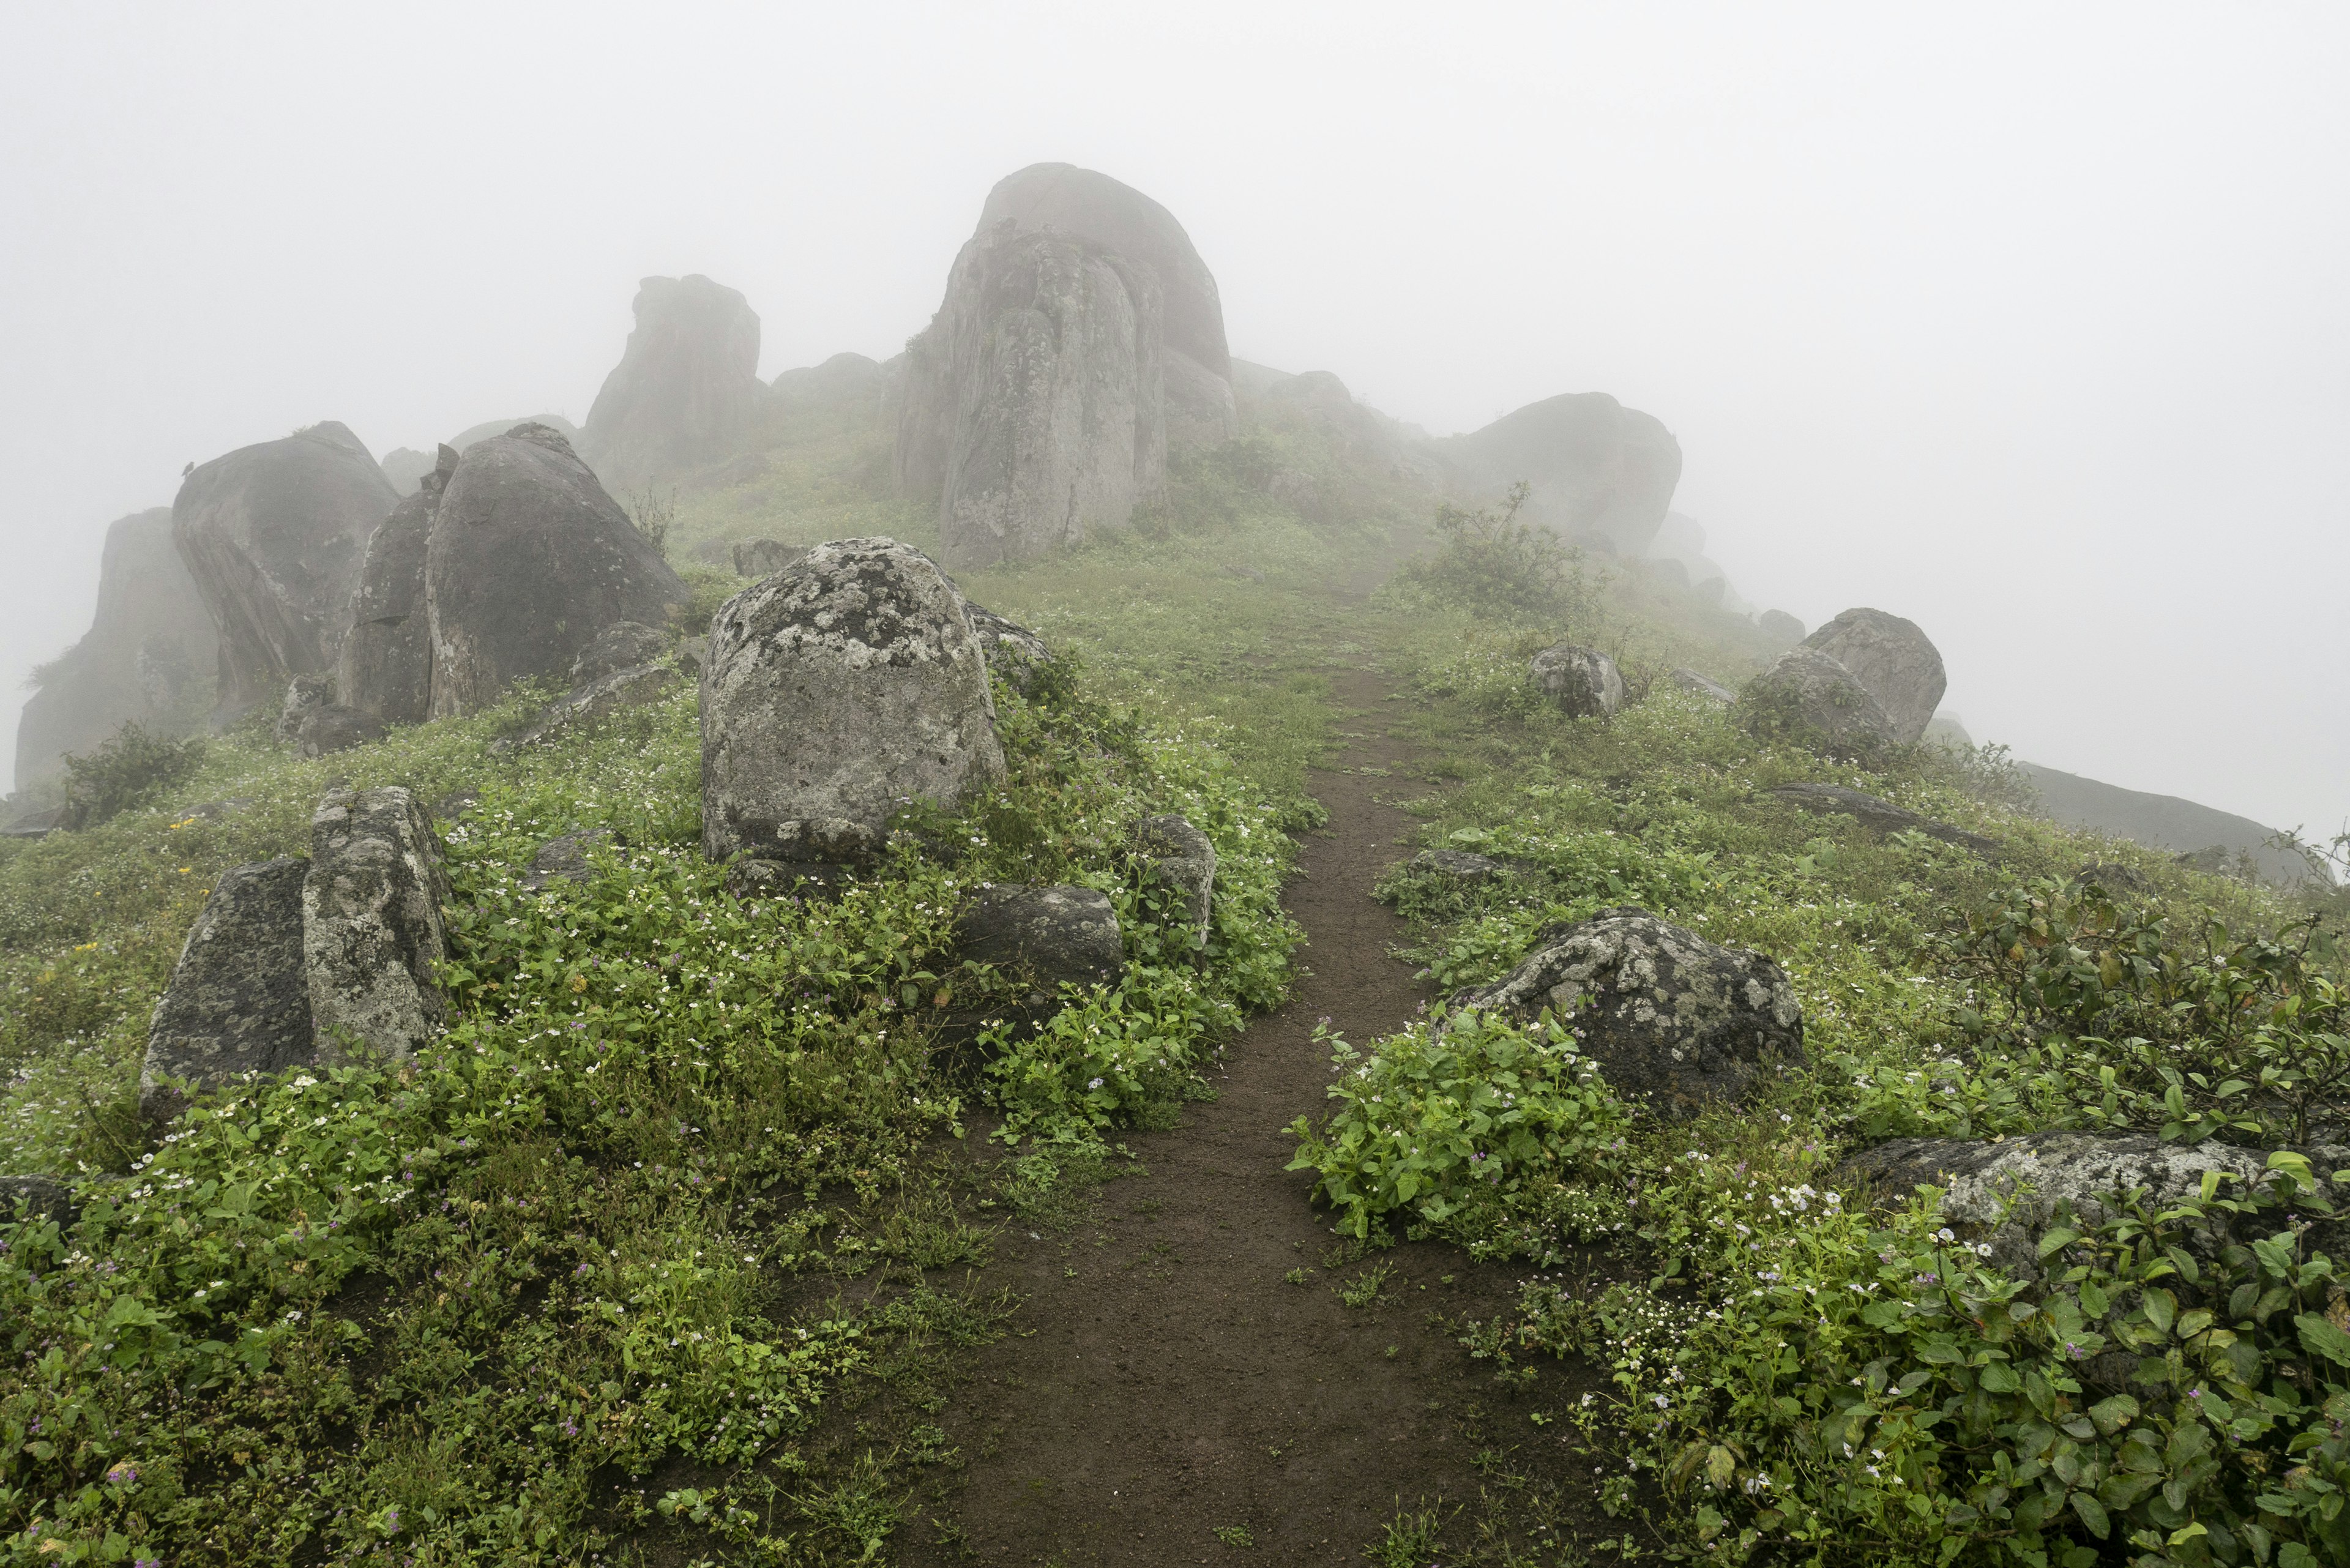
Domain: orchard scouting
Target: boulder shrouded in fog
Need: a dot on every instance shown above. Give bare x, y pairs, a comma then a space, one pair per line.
528, 559
273, 535
687, 387
146, 658
1895, 661
1080, 333
385, 670
1598, 471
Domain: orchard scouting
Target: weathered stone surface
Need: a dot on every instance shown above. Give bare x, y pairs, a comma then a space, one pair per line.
147, 657
687, 387
305, 695
623, 645
371, 922
1893, 660
406, 467
1599, 472
1781, 627
765, 557
1674, 1021
1186, 859
239, 1001
1808, 697
563, 859
33, 824
273, 535
385, 667
1704, 686
1882, 815
1459, 866
598, 700
1583, 681
1052, 935
332, 728
837, 691
1018, 656
529, 559
37, 1198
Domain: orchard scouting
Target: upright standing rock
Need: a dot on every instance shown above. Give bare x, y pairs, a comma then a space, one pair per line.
687, 387
1601, 472
386, 668
239, 1001
1896, 662
1811, 699
835, 692
1186, 860
273, 535
1583, 681
529, 558
371, 922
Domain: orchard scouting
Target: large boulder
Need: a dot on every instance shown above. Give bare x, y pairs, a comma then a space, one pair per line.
687, 387
273, 535
371, 922
385, 669
1601, 474
147, 659
529, 559
1049, 935
1897, 664
239, 1000
835, 691
1674, 1021
1811, 699
1582, 681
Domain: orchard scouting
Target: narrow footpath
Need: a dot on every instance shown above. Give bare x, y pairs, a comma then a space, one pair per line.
1167, 1380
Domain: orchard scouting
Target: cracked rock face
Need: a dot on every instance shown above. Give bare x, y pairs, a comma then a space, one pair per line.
1810, 697
386, 665
371, 922
1895, 662
1583, 681
1673, 1020
835, 691
239, 1001
1051, 934
687, 388
1186, 858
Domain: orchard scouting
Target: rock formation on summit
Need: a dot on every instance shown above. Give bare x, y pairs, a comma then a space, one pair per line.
146, 658
273, 535
1080, 334
529, 558
1601, 474
686, 389
1894, 660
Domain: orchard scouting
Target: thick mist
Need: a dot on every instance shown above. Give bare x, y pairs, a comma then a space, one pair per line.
2029, 328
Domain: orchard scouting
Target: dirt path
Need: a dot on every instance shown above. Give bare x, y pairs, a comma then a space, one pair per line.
1165, 1380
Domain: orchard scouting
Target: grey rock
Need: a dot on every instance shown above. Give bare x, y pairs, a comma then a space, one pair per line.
275, 535
406, 467
1052, 935
1895, 662
623, 645
692, 654
843, 379
1673, 1020
305, 695
1017, 656
598, 700
563, 859
1945, 730
1780, 627
1583, 681
464, 439
332, 728
1809, 697
385, 666
686, 390
147, 659
1459, 866
1601, 473
239, 1000
765, 557
1704, 686
37, 1198
1186, 861
372, 933
1199, 407
835, 692
1882, 815
38, 823
529, 559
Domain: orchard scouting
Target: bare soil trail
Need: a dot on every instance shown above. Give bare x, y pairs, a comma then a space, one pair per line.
1164, 1379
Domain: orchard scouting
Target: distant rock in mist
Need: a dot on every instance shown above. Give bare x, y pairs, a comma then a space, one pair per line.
1946, 729
1601, 474
148, 657
273, 535
1892, 658
686, 390
406, 468
841, 378
2161, 821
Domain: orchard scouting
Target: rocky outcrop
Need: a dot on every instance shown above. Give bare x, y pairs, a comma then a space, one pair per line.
1780, 627
147, 657
1673, 1020
275, 535
385, 669
686, 390
835, 691
1895, 662
1702, 685
765, 557
1582, 681
1811, 700
1602, 475
305, 695
1881, 816
371, 923
335, 728
1017, 656
1184, 860
623, 645
1049, 936
529, 559
239, 1000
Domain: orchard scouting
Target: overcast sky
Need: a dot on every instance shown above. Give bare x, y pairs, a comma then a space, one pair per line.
2030, 323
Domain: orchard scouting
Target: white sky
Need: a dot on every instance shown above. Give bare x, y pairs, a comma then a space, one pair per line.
2031, 323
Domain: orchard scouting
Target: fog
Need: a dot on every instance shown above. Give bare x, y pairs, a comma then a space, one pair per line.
2030, 324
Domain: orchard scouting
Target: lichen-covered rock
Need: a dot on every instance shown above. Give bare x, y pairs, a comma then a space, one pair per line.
1186, 861
1896, 664
686, 390
275, 535
1810, 699
1051, 934
1702, 685
1675, 1022
1014, 654
1882, 815
1458, 866
239, 1001
371, 922
385, 668
835, 691
37, 1197
529, 559
1583, 681
623, 645
765, 557
1601, 473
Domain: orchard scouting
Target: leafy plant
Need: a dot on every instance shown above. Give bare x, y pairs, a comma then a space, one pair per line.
1488, 559
130, 768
